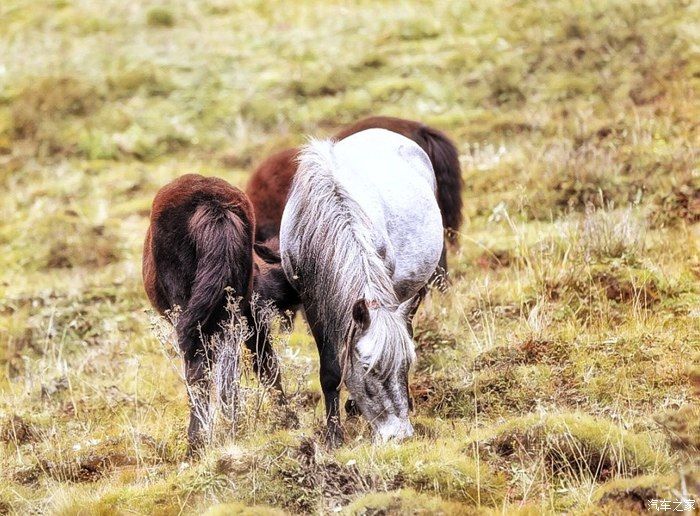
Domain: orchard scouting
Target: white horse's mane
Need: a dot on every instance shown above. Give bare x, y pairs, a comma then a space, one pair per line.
338, 263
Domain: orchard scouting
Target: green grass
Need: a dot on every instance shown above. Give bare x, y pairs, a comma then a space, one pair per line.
554, 376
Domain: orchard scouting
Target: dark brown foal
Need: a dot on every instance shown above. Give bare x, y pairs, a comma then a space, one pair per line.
200, 244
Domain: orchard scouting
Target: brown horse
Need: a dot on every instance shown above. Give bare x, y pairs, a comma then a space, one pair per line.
270, 183
199, 243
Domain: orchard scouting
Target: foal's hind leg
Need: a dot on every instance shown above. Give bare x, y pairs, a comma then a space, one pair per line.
198, 379
265, 363
266, 367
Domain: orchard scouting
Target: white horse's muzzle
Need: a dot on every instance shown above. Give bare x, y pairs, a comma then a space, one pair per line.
393, 428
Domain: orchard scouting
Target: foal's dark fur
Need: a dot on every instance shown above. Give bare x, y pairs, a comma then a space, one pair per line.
270, 183
199, 242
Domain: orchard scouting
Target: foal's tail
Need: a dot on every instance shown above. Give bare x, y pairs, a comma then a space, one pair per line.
223, 243
445, 159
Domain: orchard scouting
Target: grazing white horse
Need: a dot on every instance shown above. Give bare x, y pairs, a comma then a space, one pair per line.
361, 236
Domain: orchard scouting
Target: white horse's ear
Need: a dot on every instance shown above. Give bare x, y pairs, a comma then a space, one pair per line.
360, 314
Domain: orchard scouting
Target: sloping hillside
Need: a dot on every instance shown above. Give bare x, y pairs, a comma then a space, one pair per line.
556, 375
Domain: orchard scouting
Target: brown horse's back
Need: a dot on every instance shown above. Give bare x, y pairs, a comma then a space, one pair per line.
270, 182
407, 128
267, 190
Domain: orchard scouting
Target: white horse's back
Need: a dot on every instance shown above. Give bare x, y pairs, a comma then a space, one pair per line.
382, 157
392, 179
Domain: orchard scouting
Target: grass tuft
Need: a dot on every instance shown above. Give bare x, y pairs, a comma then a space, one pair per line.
574, 444
404, 501
436, 466
633, 496
160, 17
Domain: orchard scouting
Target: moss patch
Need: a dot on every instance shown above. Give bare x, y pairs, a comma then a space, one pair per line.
404, 501
432, 467
574, 443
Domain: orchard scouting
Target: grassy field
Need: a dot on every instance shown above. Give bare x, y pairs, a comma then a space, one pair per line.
555, 376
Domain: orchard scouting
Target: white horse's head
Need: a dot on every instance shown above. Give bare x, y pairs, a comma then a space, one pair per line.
380, 354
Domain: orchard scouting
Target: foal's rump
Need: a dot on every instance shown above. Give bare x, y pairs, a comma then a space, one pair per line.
198, 244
